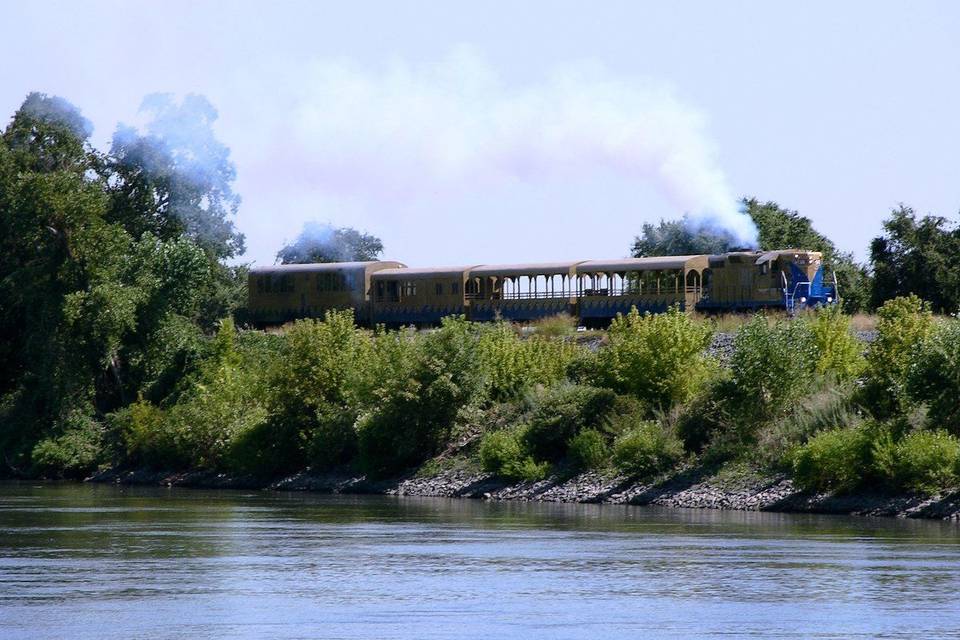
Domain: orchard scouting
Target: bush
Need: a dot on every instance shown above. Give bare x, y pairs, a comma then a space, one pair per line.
903, 325
78, 450
647, 449
657, 357
923, 461
148, 437
315, 388
588, 449
709, 414
773, 364
560, 412
836, 460
934, 376
511, 365
425, 382
827, 407
839, 352
502, 453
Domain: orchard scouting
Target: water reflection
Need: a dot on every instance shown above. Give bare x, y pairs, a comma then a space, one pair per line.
109, 562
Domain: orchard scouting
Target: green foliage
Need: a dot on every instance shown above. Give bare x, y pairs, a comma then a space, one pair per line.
560, 412
836, 460
773, 364
934, 376
77, 450
711, 417
839, 352
827, 407
917, 257
323, 243
148, 437
313, 389
588, 449
903, 326
512, 365
658, 358
502, 453
175, 179
679, 238
923, 461
421, 386
647, 449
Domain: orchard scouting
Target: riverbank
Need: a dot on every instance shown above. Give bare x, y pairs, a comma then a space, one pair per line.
698, 488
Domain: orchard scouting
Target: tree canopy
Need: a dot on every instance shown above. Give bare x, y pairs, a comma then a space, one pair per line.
917, 256
320, 242
108, 274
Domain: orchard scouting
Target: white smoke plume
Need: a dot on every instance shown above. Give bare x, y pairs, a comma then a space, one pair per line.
407, 130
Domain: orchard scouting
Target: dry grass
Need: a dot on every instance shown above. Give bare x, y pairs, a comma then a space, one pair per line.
558, 326
863, 322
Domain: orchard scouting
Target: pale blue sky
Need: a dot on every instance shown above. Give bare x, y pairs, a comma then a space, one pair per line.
527, 131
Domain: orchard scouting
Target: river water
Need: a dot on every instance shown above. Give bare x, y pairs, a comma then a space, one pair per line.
99, 562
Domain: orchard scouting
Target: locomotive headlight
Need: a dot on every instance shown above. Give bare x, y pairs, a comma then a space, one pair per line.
829, 298
803, 300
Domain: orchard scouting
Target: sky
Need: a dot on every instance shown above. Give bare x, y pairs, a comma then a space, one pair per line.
467, 133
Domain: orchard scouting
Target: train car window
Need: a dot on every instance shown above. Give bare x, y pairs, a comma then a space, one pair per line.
439, 289
764, 268
455, 288
409, 288
380, 289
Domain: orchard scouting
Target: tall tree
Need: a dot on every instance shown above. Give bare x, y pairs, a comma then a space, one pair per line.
319, 242
176, 178
678, 238
917, 256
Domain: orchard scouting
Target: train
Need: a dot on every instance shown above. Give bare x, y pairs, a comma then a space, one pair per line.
390, 293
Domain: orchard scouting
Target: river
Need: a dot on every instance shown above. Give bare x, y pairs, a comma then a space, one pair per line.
103, 562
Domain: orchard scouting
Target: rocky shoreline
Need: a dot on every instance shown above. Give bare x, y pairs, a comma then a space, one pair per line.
694, 488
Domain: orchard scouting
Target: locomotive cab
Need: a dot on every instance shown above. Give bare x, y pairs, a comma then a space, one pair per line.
802, 278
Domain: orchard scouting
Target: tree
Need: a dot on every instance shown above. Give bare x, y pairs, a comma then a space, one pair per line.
101, 300
319, 242
917, 256
176, 179
678, 238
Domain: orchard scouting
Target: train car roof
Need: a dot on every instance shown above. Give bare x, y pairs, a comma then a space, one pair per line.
422, 272
637, 264
530, 269
319, 267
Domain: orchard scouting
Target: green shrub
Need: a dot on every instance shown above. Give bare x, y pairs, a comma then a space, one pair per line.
560, 412
829, 406
839, 352
773, 364
588, 449
934, 376
428, 380
647, 449
708, 415
316, 385
149, 438
837, 460
78, 449
904, 324
657, 357
511, 364
502, 453
923, 461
